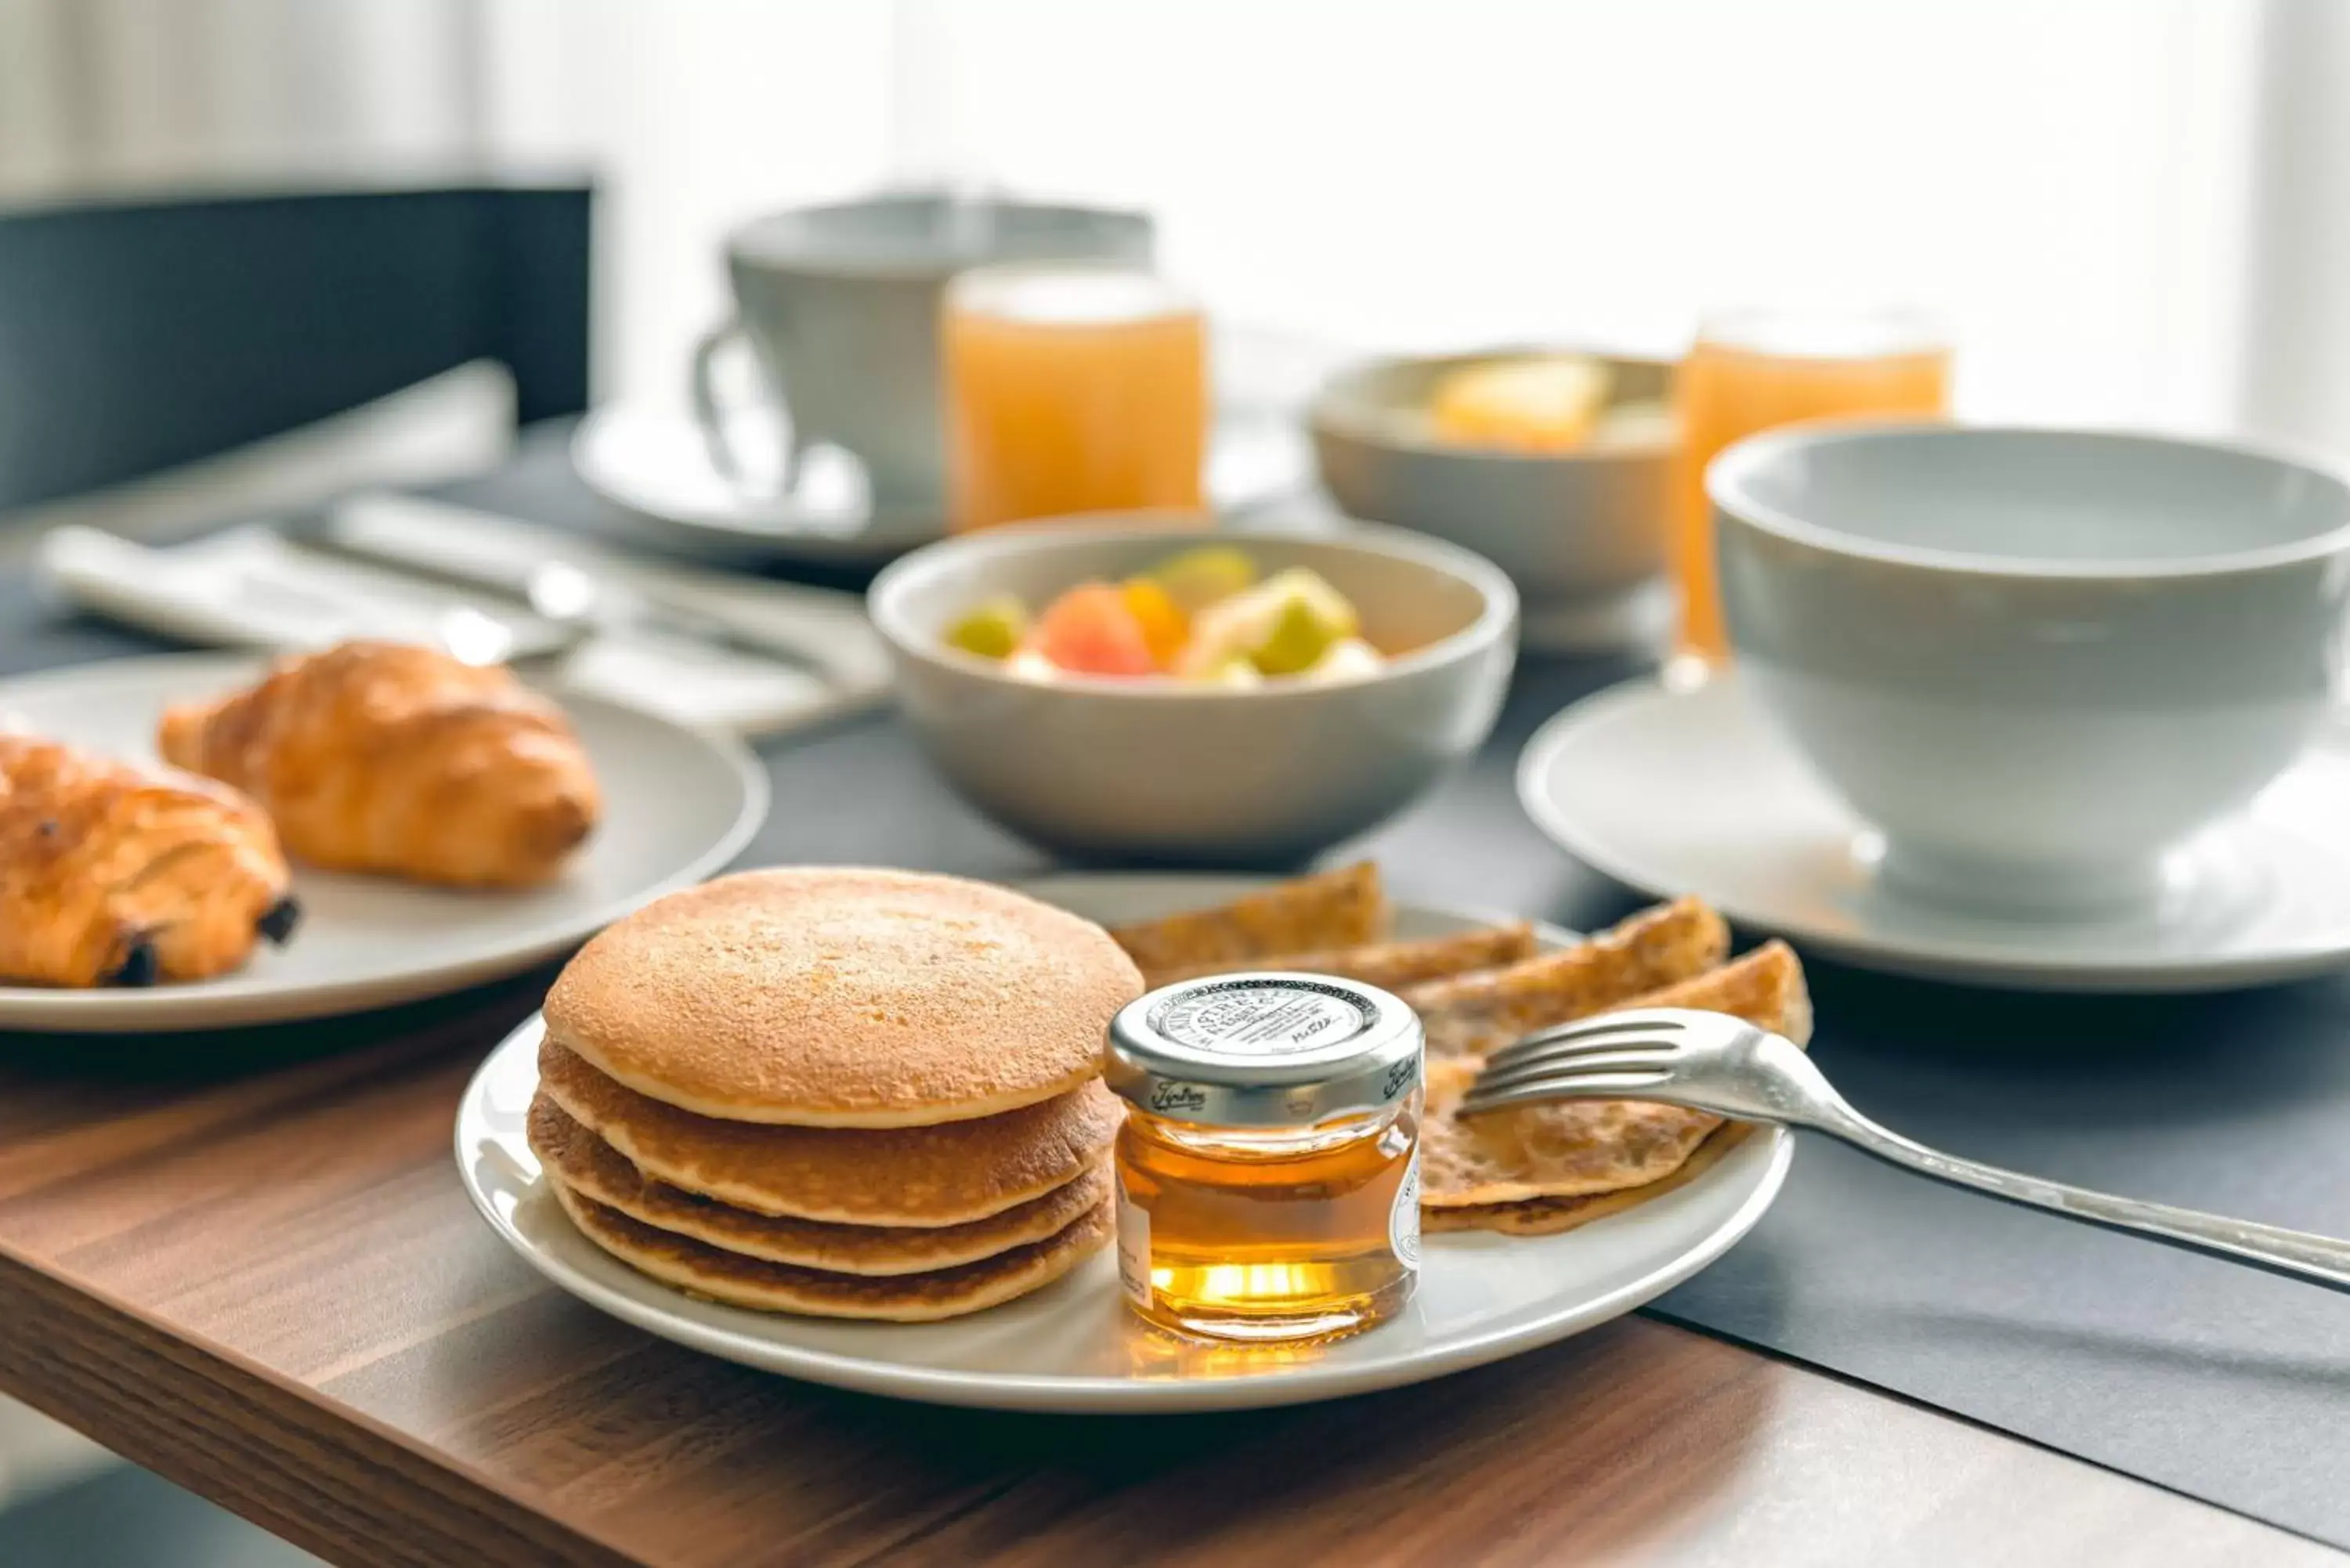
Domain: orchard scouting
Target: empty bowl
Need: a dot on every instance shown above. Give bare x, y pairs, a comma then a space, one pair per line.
2038, 660
1581, 532
1155, 769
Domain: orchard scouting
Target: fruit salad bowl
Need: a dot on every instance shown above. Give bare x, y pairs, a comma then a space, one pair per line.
1386, 657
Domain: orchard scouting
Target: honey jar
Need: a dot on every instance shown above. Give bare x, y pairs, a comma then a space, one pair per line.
1268, 1171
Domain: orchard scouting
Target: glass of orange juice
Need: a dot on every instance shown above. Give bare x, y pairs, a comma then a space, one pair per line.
1756, 370
1071, 387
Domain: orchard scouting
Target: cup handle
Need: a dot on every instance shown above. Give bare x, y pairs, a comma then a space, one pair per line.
711, 415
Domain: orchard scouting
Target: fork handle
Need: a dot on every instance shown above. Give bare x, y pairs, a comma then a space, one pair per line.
2298, 1254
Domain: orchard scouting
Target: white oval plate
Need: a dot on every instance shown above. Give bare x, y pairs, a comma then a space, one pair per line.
1073, 1346
1694, 792
678, 805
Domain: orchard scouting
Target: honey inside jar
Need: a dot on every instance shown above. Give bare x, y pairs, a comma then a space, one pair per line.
1267, 1170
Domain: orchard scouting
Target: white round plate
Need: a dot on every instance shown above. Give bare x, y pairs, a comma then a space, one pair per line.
678, 805
1695, 791
652, 463
1073, 1346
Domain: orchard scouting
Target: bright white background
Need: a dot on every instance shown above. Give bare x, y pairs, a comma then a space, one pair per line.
2069, 182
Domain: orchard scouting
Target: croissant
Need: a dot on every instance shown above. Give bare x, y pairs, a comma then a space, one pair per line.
378, 756
116, 874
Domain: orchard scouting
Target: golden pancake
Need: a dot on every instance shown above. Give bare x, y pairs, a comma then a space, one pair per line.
842, 997
1570, 1149
720, 1276
1475, 1013
1549, 1215
593, 1169
1388, 965
1340, 908
951, 1174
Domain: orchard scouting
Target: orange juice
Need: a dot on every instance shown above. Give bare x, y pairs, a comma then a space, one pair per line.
1071, 388
1755, 372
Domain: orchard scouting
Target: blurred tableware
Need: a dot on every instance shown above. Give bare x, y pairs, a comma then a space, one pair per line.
1712, 1062
1169, 770
1697, 792
1581, 532
678, 805
1072, 1346
2038, 660
594, 591
1072, 388
696, 646
1754, 371
840, 306
653, 464
707, 647
249, 587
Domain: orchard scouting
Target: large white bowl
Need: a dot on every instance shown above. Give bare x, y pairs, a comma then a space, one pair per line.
2038, 660
1103, 768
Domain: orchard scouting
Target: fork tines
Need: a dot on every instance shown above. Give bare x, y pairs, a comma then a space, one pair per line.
1656, 1026
1614, 1053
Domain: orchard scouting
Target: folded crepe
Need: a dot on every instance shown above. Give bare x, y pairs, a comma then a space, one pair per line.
1479, 1168
1391, 966
1469, 1015
1339, 909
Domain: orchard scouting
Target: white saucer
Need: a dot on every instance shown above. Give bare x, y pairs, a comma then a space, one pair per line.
1073, 1346
652, 463
1695, 793
678, 805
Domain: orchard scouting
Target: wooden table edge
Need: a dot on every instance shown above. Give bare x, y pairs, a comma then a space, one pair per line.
344, 1484
347, 1487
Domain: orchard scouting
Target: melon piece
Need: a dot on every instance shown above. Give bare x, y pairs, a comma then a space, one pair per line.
1089, 630
1197, 578
1236, 672
1283, 626
992, 630
1027, 664
1165, 628
1547, 402
1348, 659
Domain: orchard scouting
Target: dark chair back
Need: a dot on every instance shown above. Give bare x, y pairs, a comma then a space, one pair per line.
135, 335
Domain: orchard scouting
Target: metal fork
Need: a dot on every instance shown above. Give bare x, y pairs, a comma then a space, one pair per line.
1711, 1062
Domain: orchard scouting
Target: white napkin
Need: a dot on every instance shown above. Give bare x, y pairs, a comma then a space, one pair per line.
249, 587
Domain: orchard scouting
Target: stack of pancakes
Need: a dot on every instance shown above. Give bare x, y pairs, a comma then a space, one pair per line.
844, 1093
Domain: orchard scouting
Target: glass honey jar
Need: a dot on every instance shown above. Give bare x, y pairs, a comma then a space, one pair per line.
1268, 1174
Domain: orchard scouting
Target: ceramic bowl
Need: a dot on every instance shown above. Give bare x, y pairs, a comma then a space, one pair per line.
2037, 659
1581, 534
1152, 770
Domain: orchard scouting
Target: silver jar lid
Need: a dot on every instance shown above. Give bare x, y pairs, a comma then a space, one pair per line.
1264, 1048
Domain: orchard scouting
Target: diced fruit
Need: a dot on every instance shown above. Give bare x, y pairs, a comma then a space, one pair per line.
1631, 426
1197, 578
993, 630
1542, 403
1348, 659
1089, 630
1165, 627
1027, 664
1236, 671
1283, 626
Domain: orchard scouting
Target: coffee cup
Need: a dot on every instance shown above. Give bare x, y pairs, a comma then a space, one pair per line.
2038, 660
839, 307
